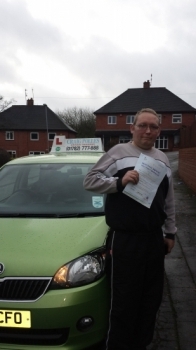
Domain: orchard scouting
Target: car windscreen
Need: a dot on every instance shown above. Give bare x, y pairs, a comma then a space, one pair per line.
47, 190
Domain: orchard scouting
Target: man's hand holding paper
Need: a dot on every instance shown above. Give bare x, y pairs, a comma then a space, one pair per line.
130, 176
143, 187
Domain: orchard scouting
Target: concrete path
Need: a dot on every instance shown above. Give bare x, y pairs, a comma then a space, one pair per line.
176, 320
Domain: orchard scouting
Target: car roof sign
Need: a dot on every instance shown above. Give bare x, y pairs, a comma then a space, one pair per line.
63, 145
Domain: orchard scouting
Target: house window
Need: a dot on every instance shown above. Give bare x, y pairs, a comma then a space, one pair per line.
9, 135
51, 136
12, 153
160, 118
111, 119
130, 119
177, 118
162, 142
176, 139
35, 153
34, 136
124, 139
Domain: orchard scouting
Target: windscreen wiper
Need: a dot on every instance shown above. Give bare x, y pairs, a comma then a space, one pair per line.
27, 215
46, 215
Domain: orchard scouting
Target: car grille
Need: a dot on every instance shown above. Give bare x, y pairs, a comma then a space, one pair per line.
34, 336
23, 289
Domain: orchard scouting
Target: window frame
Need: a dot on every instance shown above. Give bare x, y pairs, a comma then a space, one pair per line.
9, 135
160, 118
124, 139
176, 140
36, 153
51, 133
163, 139
36, 133
12, 153
132, 117
111, 119
176, 115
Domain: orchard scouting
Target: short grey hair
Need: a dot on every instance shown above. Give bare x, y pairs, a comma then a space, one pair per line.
148, 110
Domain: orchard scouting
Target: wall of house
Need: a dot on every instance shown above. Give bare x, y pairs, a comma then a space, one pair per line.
121, 126
187, 167
23, 145
102, 121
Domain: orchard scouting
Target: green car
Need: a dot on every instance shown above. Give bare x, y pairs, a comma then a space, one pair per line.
54, 292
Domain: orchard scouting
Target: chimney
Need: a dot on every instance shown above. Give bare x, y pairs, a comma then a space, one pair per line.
30, 102
146, 84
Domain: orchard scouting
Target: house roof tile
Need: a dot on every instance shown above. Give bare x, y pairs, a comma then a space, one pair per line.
34, 117
132, 100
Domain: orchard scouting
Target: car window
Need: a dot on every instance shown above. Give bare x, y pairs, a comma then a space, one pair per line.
47, 189
8, 182
33, 175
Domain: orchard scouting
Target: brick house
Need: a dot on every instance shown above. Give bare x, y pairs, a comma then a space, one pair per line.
113, 119
30, 129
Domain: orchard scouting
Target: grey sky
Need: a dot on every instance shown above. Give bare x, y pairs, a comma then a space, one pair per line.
86, 52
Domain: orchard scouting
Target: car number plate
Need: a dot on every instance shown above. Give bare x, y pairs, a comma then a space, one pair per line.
16, 318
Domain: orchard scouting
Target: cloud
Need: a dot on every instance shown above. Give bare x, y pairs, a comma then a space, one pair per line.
84, 53
20, 29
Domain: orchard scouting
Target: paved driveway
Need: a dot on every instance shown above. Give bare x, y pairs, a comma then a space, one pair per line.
176, 321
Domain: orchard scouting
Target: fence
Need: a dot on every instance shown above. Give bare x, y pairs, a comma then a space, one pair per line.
188, 136
187, 167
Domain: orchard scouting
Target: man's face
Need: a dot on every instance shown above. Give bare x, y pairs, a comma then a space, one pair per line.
146, 130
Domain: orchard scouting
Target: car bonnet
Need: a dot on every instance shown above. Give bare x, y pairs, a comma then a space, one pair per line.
39, 247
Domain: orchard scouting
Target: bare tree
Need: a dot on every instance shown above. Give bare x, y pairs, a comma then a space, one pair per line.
80, 119
4, 104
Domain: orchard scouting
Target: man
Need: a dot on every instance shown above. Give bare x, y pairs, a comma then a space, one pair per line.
138, 242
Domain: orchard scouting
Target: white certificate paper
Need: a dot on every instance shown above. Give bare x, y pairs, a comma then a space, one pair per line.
151, 173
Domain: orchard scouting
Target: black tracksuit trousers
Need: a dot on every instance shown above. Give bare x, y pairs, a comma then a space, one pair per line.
137, 277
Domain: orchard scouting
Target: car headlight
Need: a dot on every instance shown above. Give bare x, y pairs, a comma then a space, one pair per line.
79, 272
